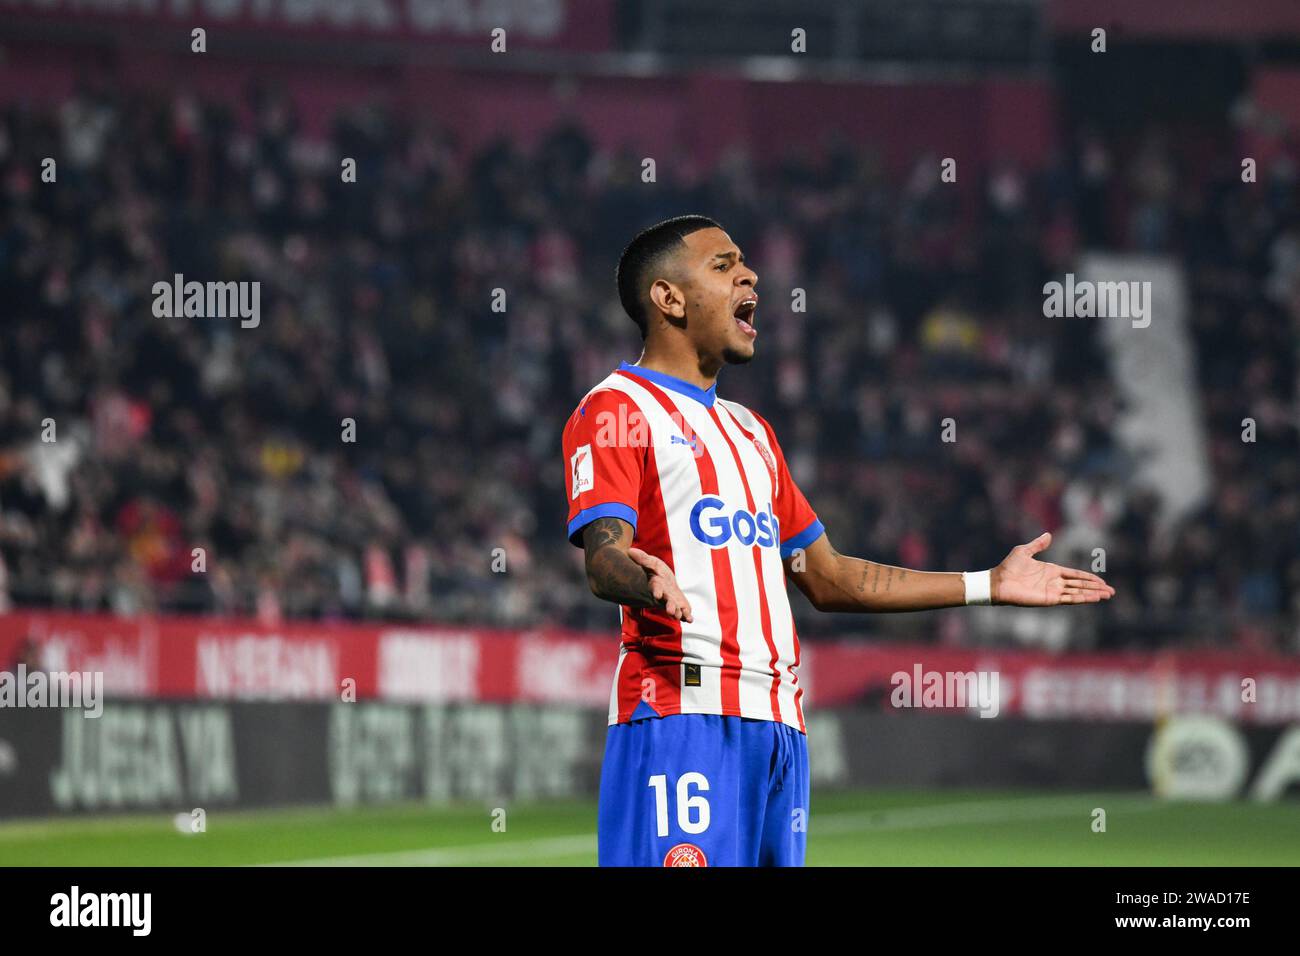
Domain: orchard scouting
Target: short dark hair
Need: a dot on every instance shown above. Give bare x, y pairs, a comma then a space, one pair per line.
644, 254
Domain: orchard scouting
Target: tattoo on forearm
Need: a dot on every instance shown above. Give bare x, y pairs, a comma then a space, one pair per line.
612, 574
601, 532
872, 572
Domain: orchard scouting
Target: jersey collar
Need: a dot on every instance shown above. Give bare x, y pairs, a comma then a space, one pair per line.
705, 397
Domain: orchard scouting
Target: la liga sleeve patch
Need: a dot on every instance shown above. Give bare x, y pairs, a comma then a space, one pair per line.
582, 472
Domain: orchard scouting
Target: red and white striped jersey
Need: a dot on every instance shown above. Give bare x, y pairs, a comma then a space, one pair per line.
706, 488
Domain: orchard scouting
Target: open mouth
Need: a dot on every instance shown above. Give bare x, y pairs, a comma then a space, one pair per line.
744, 315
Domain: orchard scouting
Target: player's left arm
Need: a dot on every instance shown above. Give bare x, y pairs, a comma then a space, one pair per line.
836, 582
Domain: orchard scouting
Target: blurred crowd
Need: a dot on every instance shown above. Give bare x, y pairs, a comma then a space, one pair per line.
199, 466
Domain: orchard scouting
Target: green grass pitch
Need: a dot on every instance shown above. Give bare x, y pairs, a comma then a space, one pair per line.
944, 828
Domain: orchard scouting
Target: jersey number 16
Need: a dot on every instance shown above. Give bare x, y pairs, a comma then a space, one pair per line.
692, 811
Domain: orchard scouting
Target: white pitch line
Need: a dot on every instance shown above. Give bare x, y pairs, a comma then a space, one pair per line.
957, 814
501, 852
903, 818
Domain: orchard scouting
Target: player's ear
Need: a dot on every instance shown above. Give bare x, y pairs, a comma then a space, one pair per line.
668, 298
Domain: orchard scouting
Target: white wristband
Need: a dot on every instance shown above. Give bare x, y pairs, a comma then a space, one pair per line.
979, 586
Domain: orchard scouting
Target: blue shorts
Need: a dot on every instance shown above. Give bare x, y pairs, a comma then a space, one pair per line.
703, 790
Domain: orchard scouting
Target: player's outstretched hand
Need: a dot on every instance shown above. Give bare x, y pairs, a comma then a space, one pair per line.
1024, 581
663, 584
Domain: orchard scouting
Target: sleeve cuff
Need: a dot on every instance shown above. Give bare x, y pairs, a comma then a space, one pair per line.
612, 509
804, 538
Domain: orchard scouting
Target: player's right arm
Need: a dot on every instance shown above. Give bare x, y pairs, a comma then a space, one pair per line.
606, 444
625, 575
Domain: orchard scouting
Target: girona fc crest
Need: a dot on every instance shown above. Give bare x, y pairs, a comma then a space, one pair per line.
685, 854
769, 460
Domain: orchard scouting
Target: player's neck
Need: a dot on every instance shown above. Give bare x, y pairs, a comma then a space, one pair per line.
687, 367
